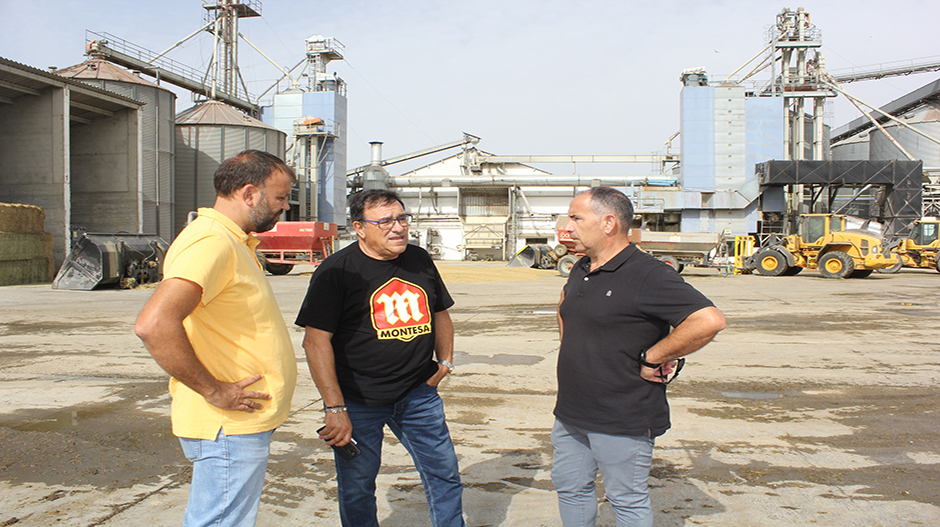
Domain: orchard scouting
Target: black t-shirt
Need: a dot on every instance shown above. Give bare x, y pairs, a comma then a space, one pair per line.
609, 317
381, 315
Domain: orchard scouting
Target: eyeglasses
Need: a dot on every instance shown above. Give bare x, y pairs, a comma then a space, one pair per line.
666, 378
388, 223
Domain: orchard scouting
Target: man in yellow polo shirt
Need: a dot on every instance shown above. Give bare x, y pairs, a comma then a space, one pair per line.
213, 324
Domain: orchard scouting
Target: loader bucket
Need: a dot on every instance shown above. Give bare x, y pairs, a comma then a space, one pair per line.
524, 258
99, 259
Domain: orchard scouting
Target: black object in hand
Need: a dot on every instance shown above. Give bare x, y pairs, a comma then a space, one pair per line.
347, 451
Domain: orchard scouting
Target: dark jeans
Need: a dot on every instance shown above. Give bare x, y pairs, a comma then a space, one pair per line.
418, 422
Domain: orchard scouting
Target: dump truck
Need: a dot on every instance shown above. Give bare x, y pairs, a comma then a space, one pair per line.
678, 249
822, 242
919, 249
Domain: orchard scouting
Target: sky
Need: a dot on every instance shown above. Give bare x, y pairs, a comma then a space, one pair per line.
529, 77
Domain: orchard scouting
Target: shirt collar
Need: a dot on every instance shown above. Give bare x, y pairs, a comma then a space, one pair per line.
614, 263
227, 222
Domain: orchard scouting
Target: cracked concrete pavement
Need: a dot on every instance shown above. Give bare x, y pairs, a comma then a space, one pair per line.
817, 405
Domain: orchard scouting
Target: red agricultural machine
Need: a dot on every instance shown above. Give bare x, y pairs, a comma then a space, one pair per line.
291, 243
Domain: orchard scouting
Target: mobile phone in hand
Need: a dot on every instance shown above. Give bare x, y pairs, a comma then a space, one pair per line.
347, 451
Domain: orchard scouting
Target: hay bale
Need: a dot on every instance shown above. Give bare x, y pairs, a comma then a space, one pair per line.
33, 271
22, 218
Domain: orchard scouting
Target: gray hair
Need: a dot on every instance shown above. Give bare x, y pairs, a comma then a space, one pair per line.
606, 200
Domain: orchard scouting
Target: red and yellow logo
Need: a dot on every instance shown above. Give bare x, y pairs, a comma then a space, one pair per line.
400, 311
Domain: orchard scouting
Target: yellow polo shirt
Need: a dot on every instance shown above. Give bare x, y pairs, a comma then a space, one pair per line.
237, 329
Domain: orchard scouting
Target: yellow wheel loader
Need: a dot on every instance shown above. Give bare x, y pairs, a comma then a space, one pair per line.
919, 250
823, 243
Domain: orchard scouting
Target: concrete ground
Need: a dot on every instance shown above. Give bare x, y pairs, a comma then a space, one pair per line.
816, 406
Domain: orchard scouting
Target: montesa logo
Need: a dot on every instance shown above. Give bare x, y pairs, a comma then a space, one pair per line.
400, 311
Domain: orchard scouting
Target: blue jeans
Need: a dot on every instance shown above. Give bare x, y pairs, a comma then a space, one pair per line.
624, 462
228, 475
418, 422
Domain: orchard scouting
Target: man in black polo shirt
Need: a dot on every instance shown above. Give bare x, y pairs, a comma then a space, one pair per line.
617, 352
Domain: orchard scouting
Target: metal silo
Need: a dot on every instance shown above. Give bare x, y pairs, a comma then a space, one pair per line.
927, 120
155, 209
852, 149
206, 135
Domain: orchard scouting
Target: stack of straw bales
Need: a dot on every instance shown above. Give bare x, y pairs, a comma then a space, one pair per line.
25, 250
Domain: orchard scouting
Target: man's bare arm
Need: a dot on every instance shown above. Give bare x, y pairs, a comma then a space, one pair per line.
697, 330
318, 347
160, 327
443, 344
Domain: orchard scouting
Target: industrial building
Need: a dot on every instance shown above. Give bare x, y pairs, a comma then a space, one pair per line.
73, 149
124, 160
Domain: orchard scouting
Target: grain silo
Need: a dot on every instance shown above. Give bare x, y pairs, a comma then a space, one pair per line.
926, 119
157, 118
206, 135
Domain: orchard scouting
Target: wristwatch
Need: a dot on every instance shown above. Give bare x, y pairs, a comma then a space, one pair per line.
448, 364
646, 363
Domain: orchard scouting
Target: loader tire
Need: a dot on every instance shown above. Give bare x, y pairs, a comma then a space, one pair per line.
770, 262
836, 264
894, 268
565, 263
860, 273
560, 250
793, 271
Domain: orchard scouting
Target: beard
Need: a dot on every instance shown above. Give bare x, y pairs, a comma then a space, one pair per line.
262, 218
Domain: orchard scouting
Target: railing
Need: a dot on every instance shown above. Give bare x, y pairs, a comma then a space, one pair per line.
144, 55
887, 69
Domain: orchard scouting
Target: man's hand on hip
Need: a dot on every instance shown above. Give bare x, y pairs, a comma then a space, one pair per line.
233, 396
660, 374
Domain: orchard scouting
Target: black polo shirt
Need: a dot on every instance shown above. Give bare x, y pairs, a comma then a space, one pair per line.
610, 316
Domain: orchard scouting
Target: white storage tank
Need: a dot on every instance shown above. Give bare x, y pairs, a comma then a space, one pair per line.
206, 135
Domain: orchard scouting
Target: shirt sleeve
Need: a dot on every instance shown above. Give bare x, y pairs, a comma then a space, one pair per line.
322, 307
204, 261
666, 296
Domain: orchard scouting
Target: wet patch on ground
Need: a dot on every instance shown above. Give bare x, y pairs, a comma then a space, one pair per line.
499, 319
107, 445
32, 328
889, 428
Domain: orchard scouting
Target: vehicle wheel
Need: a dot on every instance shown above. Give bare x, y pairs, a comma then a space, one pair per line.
836, 264
860, 273
565, 263
670, 261
560, 250
680, 268
771, 263
278, 269
793, 271
894, 268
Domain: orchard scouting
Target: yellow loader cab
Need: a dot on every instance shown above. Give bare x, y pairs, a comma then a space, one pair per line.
823, 243
919, 250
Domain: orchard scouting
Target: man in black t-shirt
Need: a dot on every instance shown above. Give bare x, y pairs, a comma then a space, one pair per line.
378, 340
616, 355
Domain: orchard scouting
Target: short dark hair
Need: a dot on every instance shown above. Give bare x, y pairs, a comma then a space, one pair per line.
367, 199
606, 200
251, 167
